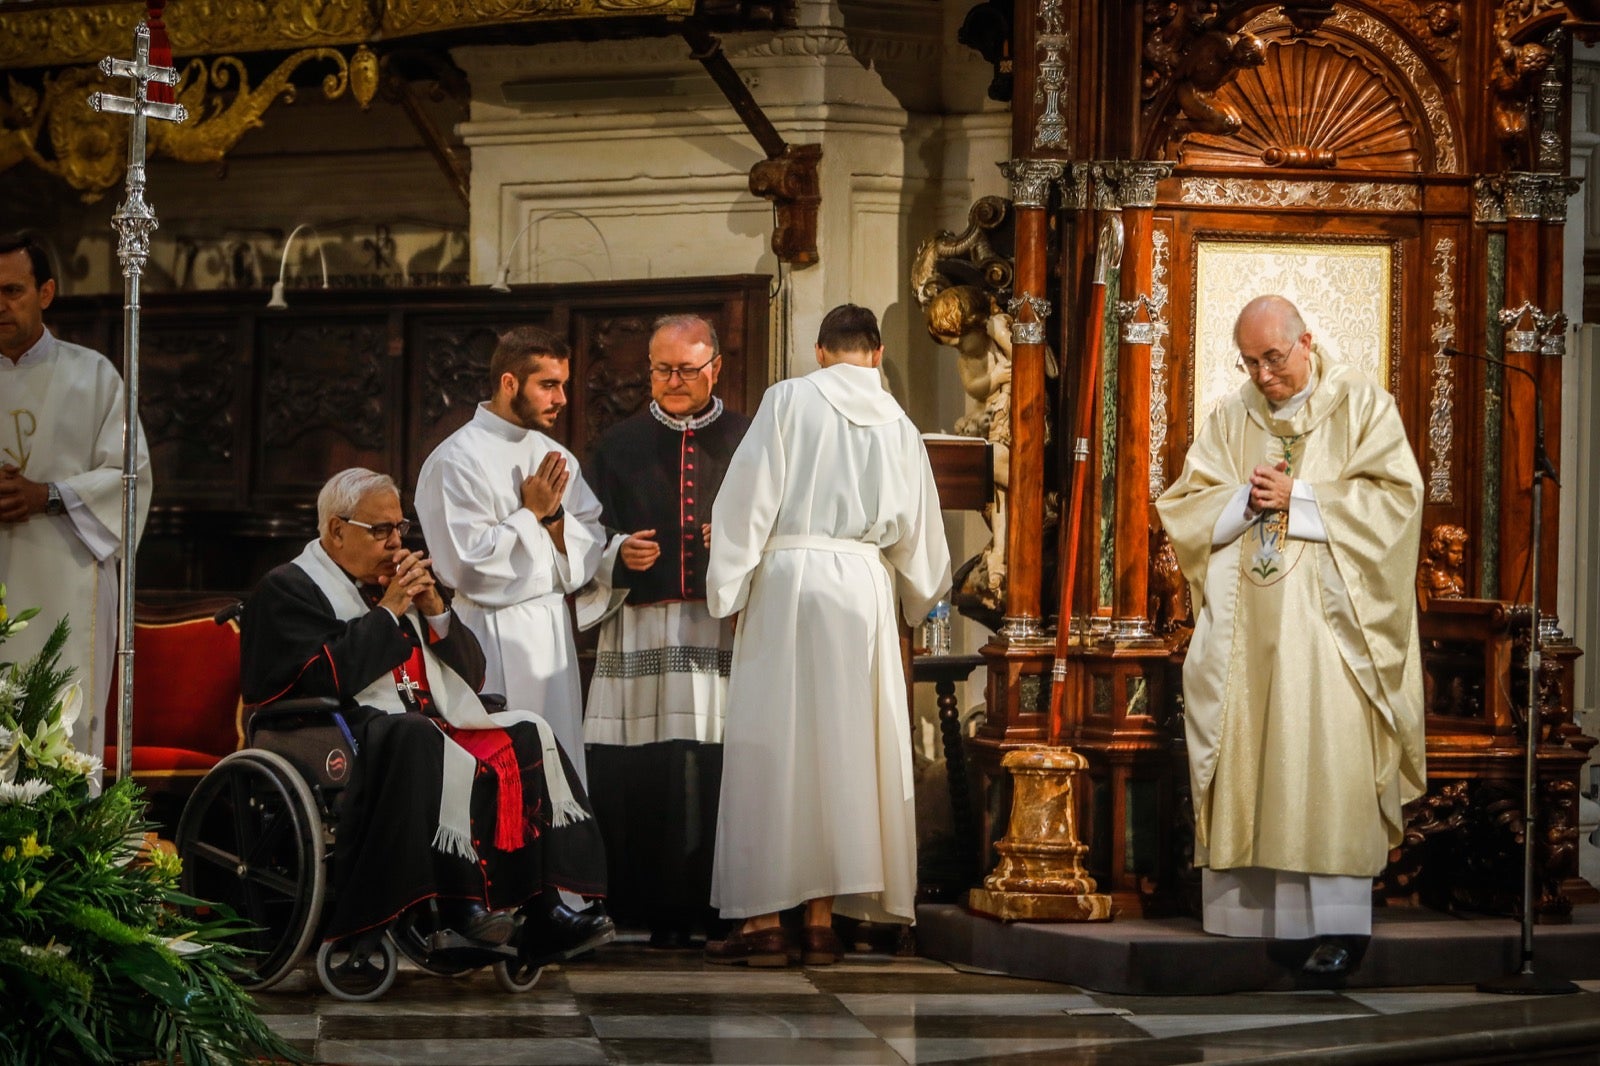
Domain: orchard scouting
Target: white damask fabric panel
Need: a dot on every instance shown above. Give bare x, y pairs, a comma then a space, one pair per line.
1343, 290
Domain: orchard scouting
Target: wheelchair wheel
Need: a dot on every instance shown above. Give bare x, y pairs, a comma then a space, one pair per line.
250, 837
516, 977
357, 969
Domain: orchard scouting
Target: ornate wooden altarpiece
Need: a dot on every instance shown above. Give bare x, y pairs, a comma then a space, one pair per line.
249, 410
1398, 167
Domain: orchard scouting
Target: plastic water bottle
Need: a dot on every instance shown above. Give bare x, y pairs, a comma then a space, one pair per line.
936, 629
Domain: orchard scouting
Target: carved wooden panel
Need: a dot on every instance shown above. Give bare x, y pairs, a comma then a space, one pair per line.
248, 410
1312, 104
326, 390
449, 378
195, 434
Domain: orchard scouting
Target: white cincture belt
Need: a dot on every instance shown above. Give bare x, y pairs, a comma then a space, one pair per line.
463, 600
813, 542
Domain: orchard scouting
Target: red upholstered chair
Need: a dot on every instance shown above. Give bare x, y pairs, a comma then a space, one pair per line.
186, 706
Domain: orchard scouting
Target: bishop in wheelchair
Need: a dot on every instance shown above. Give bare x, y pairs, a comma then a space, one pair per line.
447, 800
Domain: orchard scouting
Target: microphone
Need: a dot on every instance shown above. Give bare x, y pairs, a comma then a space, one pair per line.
1541, 460
277, 301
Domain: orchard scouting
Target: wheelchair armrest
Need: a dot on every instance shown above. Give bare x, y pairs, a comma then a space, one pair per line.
297, 707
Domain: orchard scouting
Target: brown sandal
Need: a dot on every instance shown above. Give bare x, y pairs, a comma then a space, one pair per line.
763, 947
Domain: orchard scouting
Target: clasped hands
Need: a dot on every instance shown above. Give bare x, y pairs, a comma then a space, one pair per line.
20, 498
639, 551
1270, 489
411, 582
543, 489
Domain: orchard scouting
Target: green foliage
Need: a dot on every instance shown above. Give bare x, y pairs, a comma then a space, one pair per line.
100, 961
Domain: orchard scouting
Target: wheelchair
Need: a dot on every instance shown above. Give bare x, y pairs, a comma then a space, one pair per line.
258, 835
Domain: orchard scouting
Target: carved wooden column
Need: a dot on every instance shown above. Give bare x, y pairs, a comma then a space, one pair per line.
1135, 185
1555, 191
1520, 314
1031, 180
1019, 655
1126, 811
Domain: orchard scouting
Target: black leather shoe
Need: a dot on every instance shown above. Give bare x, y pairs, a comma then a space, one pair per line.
477, 922
559, 932
1329, 959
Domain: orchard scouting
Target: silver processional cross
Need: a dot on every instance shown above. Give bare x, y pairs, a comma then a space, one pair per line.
134, 221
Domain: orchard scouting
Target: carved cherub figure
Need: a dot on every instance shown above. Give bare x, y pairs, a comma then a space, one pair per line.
965, 318
1521, 67
1439, 577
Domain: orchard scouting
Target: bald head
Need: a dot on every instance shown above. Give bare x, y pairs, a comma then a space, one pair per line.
1274, 347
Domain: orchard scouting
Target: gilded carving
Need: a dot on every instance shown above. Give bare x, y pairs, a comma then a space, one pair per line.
215, 127
69, 36
407, 17
1441, 403
1160, 242
88, 150
1274, 192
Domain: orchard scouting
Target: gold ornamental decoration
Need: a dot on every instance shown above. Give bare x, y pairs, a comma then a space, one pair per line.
55, 129
79, 35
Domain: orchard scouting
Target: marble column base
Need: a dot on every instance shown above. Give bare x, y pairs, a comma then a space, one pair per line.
1040, 875
1040, 906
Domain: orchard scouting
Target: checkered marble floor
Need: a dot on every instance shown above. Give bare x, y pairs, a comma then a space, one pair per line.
628, 1004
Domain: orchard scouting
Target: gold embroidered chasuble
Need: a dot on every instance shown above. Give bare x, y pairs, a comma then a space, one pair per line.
1303, 681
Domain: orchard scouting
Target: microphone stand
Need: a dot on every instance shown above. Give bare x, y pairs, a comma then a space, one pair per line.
1525, 982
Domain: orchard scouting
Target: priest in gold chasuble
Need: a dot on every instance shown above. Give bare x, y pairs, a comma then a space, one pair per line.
1296, 522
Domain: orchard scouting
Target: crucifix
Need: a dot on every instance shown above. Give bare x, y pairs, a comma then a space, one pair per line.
134, 221
407, 687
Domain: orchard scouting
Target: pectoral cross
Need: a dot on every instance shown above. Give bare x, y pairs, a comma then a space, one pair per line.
408, 688
134, 221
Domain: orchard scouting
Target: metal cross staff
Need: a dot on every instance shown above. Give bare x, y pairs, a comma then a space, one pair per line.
134, 221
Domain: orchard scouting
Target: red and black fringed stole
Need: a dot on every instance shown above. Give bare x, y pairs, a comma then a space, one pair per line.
160, 53
492, 748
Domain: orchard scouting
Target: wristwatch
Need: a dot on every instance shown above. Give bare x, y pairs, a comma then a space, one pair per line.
53, 503
554, 516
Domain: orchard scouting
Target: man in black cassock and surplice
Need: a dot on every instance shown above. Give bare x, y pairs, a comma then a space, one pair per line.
446, 800
659, 696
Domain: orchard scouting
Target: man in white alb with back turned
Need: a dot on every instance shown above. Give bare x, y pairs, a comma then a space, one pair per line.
827, 520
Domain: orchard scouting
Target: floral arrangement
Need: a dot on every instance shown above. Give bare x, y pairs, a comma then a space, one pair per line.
101, 960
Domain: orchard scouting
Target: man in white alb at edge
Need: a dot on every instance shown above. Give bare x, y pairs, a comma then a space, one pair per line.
827, 519
60, 485
1296, 521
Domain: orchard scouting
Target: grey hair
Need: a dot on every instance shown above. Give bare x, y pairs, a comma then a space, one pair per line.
684, 321
346, 489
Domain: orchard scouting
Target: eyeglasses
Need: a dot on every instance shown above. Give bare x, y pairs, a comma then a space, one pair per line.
383, 530
1272, 362
685, 374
